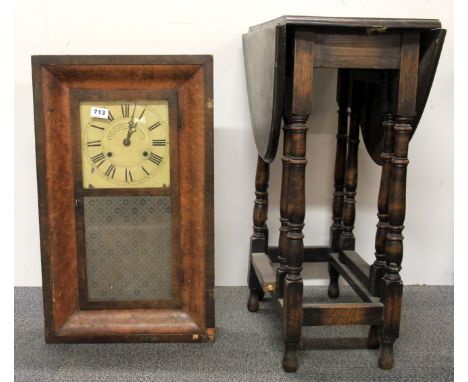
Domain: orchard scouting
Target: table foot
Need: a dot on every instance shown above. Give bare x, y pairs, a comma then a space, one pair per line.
333, 289
290, 358
253, 302
387, 359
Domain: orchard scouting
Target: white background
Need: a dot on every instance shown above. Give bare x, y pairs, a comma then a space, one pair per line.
213, 27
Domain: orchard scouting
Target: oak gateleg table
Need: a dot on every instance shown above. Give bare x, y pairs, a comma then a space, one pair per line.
385, 72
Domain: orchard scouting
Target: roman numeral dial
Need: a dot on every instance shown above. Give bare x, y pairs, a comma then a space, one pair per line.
95, 143
154, 126
125, 108
128, 175
98, 157
159, 142
155, 158
110, 172
126, 144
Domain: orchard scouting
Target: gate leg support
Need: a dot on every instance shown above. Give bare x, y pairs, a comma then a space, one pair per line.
392, 285
342, 97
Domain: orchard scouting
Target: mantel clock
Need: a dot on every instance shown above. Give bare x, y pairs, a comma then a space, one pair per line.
126, 203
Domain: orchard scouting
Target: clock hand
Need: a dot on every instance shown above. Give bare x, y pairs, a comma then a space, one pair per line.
131, 128
135, 124
133, 115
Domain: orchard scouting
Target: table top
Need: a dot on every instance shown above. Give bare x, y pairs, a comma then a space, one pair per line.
351, 22
265, 57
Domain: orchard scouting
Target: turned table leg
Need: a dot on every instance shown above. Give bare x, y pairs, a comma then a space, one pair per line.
342, 97
391, 282
282, 269
259, 240
293, 283
347, 240
392, 285
377, 269
296, 112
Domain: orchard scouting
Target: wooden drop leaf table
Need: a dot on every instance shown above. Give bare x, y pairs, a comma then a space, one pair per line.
385, 71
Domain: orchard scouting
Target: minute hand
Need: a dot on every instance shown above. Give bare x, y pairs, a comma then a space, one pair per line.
131, 128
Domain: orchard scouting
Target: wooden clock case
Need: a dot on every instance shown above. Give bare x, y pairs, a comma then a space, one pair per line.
55, 81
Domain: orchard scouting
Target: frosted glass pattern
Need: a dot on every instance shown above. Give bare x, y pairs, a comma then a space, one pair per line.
128, 247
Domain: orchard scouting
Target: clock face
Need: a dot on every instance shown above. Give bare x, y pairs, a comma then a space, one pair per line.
125, 144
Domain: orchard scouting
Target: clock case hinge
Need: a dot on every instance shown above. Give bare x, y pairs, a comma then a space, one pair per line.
179, 121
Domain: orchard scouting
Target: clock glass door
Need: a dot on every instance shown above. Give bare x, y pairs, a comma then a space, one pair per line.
129, 255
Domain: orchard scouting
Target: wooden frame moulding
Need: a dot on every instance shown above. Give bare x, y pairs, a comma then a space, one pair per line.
55, 78
76, 97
